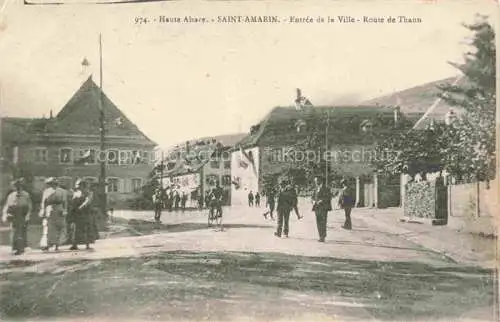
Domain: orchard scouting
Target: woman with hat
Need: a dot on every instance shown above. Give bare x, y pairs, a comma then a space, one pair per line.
53, 210
81, 212
17, 211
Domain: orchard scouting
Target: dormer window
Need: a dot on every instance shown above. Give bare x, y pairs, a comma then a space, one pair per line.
300, 125
366, 126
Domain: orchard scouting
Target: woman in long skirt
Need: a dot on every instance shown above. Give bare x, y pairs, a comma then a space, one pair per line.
83, 231
53, 210
17, 211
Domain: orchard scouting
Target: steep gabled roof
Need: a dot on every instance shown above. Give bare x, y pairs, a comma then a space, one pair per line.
81, 115
279, 126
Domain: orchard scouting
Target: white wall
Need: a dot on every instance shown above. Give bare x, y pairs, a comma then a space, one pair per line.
248, 178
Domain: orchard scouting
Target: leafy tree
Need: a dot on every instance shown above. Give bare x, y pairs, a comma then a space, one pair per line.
471, 138
466, 147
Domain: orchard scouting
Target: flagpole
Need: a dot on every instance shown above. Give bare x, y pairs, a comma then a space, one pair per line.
102, 176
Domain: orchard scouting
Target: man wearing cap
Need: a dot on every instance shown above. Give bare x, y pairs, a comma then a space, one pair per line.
17, 210
287, 200
53, 210
346, 202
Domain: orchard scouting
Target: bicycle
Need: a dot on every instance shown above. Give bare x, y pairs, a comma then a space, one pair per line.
215, 215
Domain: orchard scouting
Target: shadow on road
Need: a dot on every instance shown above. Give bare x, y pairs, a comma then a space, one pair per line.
197, 285
144, 227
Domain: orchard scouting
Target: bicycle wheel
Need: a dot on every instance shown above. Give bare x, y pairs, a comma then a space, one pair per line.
210, 217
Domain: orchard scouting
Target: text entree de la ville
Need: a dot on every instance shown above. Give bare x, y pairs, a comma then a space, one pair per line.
241, 19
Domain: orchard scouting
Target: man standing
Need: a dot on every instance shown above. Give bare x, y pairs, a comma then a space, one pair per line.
287, 199
17, 211
257, 199
271, 202
346, 202
53, 210
250, 198
158, 204
216, 199
322, 204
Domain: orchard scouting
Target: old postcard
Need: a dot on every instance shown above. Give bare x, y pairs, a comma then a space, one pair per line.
248, 160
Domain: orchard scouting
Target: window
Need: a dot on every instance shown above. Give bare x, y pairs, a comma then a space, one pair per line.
215, 164
125, 157
212, 179
136, 184
66, 155
85, 156
113, 156
112, 184
145, 157
41, 155
227, 164
226, 180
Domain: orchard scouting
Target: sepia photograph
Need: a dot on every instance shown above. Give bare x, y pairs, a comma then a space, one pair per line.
248, 160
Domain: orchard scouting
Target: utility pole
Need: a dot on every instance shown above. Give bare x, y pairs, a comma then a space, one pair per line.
326, 145
102, 176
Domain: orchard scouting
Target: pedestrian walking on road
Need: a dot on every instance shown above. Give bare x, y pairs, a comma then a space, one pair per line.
287, 199
257, 199
53, 210
82, 231
346, 202
250, 199
16, 211
271, 202
322, 204
158, 204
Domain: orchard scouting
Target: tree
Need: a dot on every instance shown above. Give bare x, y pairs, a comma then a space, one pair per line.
470, 148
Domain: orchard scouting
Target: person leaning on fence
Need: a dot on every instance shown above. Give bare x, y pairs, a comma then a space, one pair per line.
16, 211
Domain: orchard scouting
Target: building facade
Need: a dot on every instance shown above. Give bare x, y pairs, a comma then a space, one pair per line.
68, 146
196, 166
346, 134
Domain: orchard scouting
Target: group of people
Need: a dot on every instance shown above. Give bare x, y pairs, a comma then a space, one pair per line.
285, 200
68, 216
171, 199
253, 199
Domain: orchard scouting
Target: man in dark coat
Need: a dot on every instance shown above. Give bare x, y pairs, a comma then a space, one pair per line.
346, 202
287, 199
322, 204
271, 202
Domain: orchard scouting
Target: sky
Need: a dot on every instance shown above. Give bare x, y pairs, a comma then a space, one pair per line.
182, 81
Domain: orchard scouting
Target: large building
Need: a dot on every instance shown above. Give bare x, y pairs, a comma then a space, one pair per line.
195, 166
68, 146
348, 133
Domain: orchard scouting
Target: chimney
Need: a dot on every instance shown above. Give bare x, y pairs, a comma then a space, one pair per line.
397, 114
51, 116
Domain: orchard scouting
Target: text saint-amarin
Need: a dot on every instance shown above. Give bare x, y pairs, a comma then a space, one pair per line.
248, 19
